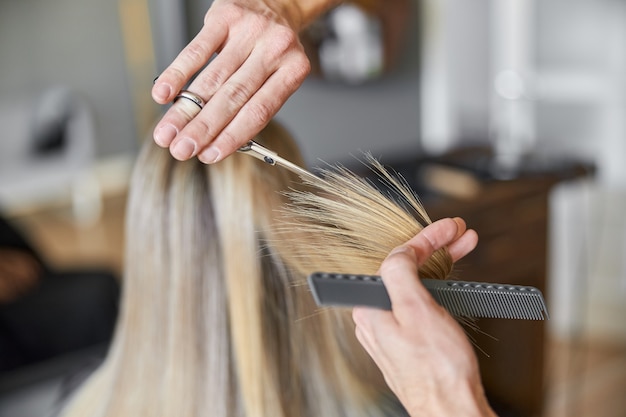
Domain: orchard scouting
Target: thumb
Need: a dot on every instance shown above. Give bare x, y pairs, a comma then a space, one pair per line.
406, 292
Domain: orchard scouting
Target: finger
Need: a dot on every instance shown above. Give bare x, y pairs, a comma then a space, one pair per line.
206, 83
463, 245
433, 237
399, 271
373, 325
221, 68
258, 110
407, 294
188, 62
369, 318
366, 340
181, 112
227, 101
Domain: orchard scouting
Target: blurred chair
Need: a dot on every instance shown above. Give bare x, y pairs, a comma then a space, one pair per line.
54, 323
47, 151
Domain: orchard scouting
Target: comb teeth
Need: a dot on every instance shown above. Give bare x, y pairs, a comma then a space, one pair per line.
478, 299
460, 298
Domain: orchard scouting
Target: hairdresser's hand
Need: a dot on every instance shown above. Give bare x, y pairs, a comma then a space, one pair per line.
260, 63
421, 350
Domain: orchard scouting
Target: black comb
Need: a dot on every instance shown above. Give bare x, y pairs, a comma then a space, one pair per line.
460, 298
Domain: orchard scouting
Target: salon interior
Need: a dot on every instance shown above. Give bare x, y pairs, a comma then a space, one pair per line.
508, 113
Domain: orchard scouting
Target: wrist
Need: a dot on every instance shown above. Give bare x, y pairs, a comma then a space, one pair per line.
466, 398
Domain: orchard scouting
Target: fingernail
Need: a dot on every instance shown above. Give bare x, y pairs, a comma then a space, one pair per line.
209, 156
164, 135
184, 149
156, 78
162, 91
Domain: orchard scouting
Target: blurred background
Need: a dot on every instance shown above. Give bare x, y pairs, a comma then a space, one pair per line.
509, 113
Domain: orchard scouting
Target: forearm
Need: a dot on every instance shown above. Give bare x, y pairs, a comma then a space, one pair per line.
302, 12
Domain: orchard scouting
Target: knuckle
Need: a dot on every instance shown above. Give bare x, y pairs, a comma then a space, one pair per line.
211, 81
196, 53
259, 113
299, 70
225, 15
281, 41
174, 75
231, 12
398, 266
204, 131
391, 267
256, 26
236, 93
305, 67
284, 39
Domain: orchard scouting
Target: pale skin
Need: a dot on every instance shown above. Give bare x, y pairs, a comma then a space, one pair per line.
423, 353
260, 62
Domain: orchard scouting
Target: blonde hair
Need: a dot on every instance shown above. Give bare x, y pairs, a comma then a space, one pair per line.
213, 321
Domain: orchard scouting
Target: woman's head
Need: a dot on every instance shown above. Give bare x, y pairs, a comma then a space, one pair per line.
214, 317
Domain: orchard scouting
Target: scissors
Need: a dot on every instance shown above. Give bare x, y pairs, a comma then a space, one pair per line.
258, 151
252, 148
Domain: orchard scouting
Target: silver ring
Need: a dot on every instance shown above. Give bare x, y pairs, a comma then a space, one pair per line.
196, 99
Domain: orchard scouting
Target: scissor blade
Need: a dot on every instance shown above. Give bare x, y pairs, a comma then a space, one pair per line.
258, 151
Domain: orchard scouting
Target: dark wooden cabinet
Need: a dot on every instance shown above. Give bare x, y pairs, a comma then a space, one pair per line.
511, 220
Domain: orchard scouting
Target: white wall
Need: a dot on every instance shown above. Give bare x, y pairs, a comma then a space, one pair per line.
76, 43
335, 122
580, 87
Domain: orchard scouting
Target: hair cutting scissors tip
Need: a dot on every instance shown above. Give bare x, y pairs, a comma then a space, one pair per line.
268, 156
